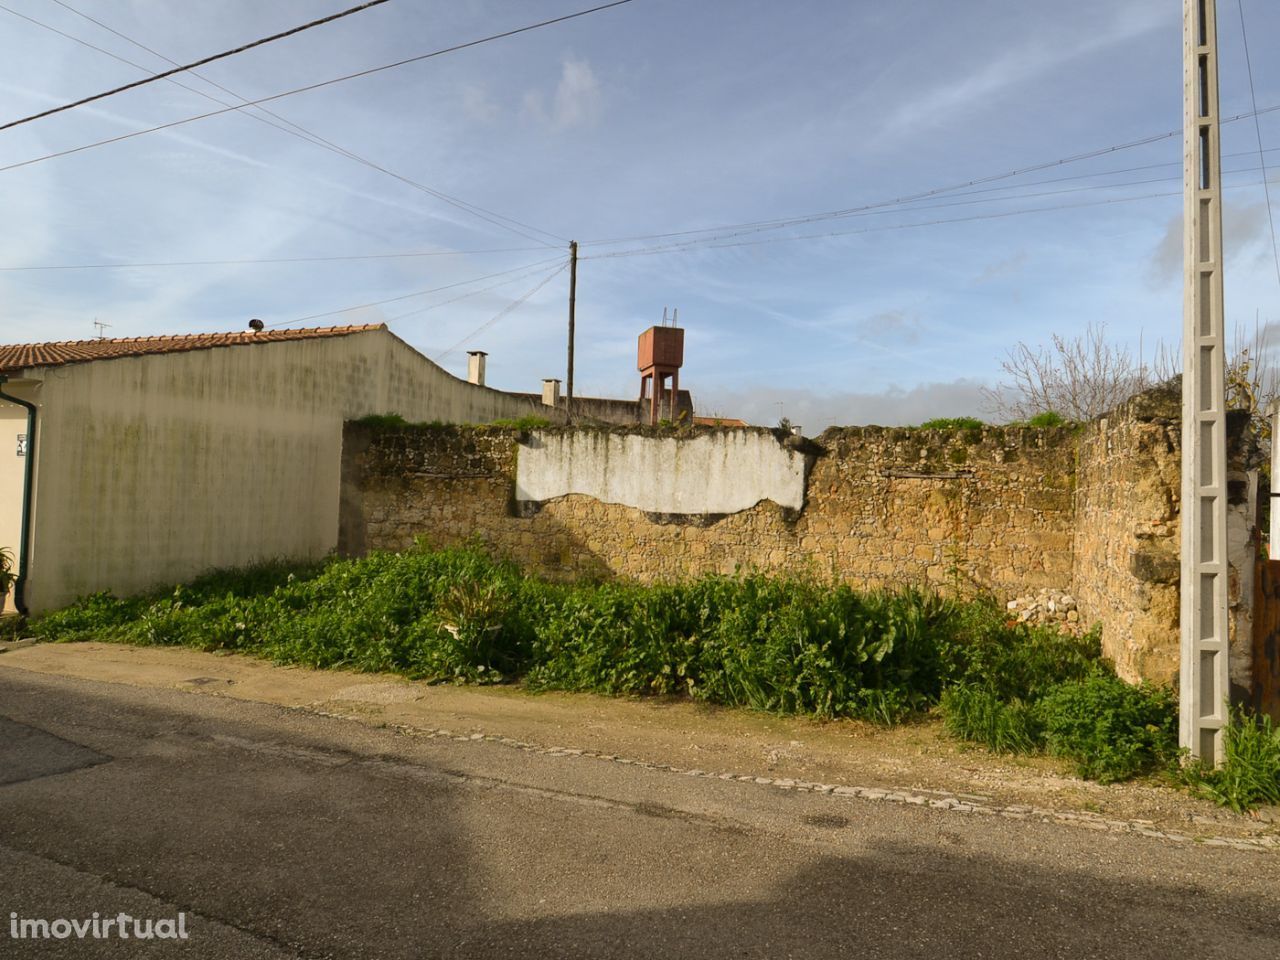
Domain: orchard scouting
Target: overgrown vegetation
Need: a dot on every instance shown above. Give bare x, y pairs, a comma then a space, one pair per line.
953, 423
1048, 418
788, 645
1250, 773
529, 422
1055, 694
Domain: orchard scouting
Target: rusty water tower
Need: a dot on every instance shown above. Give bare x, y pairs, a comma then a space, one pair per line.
660, 356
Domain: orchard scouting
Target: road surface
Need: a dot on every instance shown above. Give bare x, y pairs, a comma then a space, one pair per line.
277, 833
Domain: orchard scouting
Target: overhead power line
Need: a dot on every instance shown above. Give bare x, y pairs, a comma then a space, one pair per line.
1262, 154
462, 296
535, 267
316, 86
803, 219
272, 119
195, 63
254, 261
505, 311
722, 242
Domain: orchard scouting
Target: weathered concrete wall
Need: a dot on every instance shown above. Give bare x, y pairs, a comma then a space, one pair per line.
1127, 536
724, 472
988, 508
154, 469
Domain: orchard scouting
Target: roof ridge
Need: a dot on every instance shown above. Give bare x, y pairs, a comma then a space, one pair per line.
148, 338
22, 356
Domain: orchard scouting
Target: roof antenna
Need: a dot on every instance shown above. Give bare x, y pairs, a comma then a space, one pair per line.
101, 327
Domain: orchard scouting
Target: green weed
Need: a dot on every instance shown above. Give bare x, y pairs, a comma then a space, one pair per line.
1250, 773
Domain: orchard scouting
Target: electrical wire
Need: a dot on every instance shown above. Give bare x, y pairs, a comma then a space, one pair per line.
284, 125
713, 242
708, 244
460, 297
254, 261
315, 86
1257, 127
195, 63
505, 311
417, 293
801, 220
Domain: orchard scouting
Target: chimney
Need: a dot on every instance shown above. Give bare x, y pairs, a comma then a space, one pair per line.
551, 392
475, 366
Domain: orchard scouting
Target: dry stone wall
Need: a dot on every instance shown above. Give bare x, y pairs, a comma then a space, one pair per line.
1127, 535
987, 509
1017, 512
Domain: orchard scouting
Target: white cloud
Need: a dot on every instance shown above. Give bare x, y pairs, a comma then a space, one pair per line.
578, 99
1019, 67
1243, 226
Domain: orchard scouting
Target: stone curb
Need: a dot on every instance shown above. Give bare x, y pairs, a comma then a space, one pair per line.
934, 799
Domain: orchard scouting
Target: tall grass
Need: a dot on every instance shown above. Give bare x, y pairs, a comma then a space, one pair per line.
1250, 773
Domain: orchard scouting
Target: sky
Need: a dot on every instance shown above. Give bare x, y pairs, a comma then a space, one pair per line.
618, 130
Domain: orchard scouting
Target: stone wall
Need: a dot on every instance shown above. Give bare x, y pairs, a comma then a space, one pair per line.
1011, 511
989, 508
1127, 536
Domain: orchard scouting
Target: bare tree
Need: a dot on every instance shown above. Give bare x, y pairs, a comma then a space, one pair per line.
1084, 377
1079, 378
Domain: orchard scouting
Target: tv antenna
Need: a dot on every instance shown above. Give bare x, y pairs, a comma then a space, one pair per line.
101, 328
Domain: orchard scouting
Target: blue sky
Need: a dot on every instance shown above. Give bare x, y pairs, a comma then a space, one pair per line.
657, 117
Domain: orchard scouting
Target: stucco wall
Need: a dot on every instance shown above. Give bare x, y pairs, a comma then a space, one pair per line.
723, 472
154, 469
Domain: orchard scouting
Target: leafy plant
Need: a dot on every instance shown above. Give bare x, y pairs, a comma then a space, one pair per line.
1250, 772
1048, 418
521, 423
783, 644
1112, 730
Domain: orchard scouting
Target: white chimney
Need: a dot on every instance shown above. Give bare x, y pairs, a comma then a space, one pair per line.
551, 392
475, 366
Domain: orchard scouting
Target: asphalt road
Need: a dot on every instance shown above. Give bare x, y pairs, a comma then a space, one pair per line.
279, 833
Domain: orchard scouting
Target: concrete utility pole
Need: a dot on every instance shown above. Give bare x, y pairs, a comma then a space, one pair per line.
1204, 689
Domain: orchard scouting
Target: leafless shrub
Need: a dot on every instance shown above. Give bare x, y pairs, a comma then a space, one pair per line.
1083, 377
1079, 378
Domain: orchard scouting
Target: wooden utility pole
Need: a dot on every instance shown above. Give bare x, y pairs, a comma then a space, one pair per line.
573, 294
1204, 648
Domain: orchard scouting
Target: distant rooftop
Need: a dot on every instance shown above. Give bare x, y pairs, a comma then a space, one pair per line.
22, 356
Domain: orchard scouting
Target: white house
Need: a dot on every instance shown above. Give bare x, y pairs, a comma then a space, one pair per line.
152, 460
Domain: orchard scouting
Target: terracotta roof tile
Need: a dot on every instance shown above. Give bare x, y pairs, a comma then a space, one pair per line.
21, 356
